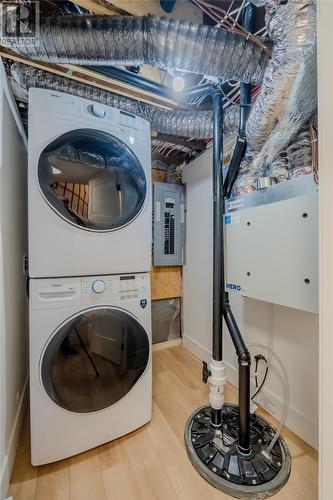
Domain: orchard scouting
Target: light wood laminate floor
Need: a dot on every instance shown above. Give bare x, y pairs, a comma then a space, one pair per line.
150, 463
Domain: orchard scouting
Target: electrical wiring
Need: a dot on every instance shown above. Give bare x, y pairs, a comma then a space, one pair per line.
223, 18
259, 357
232, 97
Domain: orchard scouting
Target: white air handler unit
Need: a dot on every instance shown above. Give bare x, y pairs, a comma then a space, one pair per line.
272, 244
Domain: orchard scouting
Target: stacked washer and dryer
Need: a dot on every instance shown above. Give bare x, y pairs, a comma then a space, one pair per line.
89, 264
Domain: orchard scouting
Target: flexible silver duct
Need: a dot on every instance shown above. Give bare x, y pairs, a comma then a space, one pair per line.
196, 124
287, 98
289, 95
294, 161
299, 154
161, 42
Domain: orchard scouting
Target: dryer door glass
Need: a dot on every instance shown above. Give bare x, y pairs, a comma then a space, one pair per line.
94, 360
92, 180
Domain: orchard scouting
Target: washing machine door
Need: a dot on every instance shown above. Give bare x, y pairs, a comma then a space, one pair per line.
94, 359
92, 179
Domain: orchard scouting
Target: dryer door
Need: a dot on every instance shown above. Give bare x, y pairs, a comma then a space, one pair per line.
94, 359
92, 179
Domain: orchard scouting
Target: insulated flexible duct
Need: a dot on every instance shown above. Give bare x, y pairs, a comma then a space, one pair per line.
196, 124
288, 95
294, 161
161, 42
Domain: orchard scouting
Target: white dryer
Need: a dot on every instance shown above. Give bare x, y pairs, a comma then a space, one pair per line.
89, 188
90, 362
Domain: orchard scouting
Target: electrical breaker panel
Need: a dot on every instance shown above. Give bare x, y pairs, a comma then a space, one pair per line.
169, 222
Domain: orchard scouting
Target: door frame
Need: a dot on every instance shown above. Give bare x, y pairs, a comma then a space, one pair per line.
325, 120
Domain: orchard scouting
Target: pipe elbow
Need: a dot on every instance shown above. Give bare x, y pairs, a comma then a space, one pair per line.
244, 357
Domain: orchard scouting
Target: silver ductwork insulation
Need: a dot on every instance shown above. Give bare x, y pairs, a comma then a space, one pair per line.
288, 95
162, 42
299, 154
294, 161
196, 124
287, 99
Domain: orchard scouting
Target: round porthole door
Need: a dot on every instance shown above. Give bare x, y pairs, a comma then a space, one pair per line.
94, 359
92, 179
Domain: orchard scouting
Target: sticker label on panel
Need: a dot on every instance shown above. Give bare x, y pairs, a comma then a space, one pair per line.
233, 205
158, 211
182, 213
233, 218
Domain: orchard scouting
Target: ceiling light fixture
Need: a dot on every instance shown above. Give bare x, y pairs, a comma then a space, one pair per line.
178, 83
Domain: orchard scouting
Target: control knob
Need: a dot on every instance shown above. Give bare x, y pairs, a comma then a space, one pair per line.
98, 110
98, 286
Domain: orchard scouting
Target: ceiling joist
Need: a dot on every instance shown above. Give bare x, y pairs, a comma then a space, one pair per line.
89, 77
182, 10
97, 7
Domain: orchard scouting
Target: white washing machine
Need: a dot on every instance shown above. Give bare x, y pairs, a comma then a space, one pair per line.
89, 188
90, 362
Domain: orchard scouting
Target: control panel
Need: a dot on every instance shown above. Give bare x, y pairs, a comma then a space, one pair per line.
127, 286
61, 104
52, 293
169, 222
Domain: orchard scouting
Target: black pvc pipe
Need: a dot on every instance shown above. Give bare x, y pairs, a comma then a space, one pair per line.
244, 444
244, 364
248, 21
237, 156
197, 91
218, 210
235, 334
157, 88
136, 80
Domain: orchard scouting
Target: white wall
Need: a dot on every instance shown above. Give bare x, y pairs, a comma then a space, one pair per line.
294, 333
13, 301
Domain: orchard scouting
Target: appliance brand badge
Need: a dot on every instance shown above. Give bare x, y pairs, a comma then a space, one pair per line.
234, 287
143, 303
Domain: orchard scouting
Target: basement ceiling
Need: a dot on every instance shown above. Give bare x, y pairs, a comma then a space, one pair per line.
166, 149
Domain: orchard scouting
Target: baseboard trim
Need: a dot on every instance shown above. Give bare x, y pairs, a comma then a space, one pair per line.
296, 421
7, 467
166, 344
197, 349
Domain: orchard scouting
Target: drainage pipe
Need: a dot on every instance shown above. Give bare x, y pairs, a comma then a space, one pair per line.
151, 86
136, 80
248, 22
216, 379
244, 366
218, 209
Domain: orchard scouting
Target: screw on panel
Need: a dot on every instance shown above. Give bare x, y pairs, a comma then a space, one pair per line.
248, 273
304, 215
307, 281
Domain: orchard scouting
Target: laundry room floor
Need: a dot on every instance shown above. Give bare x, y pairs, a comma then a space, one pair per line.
150, 463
